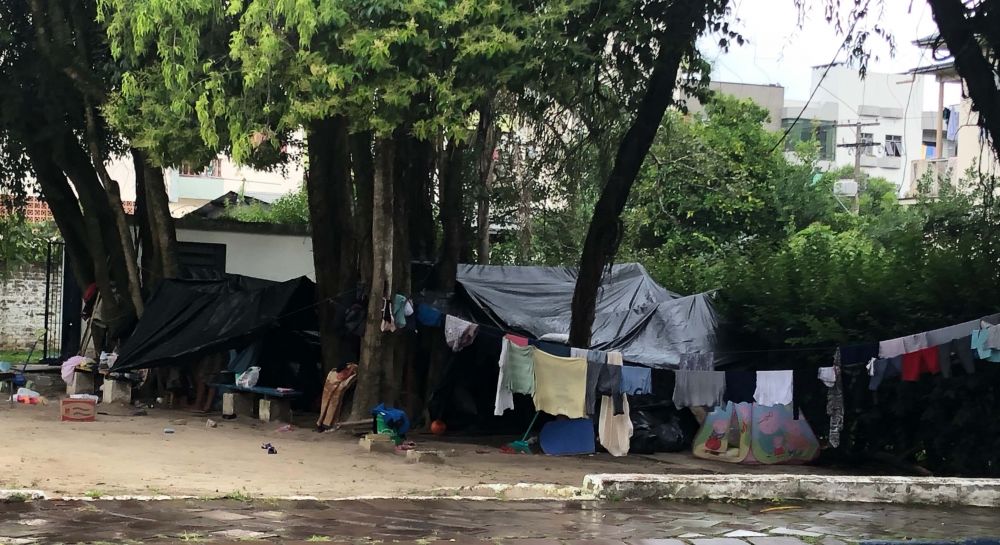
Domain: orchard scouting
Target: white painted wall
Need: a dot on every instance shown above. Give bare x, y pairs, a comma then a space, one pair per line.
894, 101
273, 257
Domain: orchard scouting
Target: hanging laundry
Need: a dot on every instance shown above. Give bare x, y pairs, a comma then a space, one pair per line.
553, 348
505, 398
773, 388
920, 362
401, 308
519, 369
699, 388
704, 361
615, 430
740, 386
518, 340
884, 368
578, 353
827, 375
953, 122
608, 383
960, 348
458, 333
978, 341
637, 380
945, 335
993, 337
891, 348
428, 316
858, 353
560, 384
388, 325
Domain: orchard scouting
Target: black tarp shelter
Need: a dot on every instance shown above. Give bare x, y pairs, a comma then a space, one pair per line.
647, 323
185, 319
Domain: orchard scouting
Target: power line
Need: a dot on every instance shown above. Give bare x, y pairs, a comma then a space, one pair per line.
847, 38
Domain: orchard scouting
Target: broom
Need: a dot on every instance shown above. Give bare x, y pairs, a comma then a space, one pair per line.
522, 447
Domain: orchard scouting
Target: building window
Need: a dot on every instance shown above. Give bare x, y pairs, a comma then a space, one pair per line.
869, 139
212, 170
893, 145
810, 129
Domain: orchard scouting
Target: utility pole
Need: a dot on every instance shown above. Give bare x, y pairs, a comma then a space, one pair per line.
857, 145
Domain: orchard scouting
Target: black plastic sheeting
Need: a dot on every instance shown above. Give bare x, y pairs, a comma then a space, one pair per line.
186, 319
647, 323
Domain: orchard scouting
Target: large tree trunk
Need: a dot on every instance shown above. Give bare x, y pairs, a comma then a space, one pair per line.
486, 138
960, 34
377, 348
415, 159
362, 162
65, 211
394, 389
161, 223
450, 212
149, 264
686, 21
328, 190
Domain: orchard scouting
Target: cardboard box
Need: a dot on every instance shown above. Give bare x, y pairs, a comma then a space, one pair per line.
77, 410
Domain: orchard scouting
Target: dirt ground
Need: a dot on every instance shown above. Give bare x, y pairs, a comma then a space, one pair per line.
132, 455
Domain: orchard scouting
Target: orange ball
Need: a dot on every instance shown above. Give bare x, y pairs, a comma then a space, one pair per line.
438, 427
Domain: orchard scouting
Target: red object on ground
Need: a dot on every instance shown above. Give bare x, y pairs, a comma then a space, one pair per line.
438, 427
77, 410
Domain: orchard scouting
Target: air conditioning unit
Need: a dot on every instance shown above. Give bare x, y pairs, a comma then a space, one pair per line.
845, 188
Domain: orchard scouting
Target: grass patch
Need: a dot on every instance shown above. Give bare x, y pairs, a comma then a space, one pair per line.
318, 539
16, 497
94, 494
237, 495
188, 537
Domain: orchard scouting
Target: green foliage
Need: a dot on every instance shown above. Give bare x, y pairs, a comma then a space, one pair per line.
23, 242
292, 208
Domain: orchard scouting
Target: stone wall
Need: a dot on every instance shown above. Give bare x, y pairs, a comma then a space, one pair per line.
22, 307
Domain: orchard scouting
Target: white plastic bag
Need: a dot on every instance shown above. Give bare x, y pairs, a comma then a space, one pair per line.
248, 378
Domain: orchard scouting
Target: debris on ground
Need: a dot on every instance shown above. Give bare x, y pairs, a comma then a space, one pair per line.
269, 448
168, 430
179, 422
286, 427
211, 423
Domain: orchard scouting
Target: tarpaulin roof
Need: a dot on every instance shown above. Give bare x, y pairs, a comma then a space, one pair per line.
188, 318
650, 325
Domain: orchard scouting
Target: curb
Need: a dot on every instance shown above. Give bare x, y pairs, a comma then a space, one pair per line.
899, 490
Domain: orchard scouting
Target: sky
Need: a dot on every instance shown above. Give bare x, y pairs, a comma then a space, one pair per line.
780, 51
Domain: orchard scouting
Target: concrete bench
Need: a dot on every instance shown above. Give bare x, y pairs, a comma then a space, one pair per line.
267, 404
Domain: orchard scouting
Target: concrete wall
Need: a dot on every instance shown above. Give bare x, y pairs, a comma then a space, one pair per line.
271, 256
973, 146
22, 307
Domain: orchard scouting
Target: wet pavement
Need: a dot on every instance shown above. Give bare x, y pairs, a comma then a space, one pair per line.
471, 521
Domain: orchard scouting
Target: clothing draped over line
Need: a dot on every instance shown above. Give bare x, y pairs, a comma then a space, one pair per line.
615, 430
458, 333
773, 388
603, 380
699, 388
560, 384
835, 401
740, 386
703, 361
637, 380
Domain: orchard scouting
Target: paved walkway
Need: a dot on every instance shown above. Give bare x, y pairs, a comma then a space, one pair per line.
474, 522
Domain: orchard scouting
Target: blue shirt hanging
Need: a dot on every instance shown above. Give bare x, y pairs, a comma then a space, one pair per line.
637, 380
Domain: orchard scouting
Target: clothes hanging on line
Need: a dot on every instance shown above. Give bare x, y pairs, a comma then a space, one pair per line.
637, 380
560, 384
858, 353
553, 348
520, 368
740, 386
835, 402
884, 368
828, 376
773, 388
920, 362
429, 316
614, 429
401, 308
518, 340
603, 380
978, 341
504, 398
699, 388
458, 333
960, 349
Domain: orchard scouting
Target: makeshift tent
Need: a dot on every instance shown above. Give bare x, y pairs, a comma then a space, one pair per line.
634, 315
186, 319
748, 433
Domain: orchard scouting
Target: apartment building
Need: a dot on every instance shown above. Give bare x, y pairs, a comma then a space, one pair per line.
879, 117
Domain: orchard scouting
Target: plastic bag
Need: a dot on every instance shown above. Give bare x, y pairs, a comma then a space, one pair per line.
655, 434
248, 378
